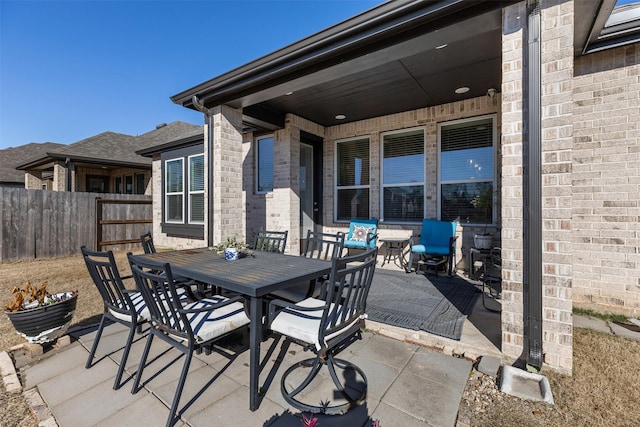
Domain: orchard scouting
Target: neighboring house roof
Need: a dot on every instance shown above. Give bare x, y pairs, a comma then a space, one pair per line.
111, 148
399, 56
11, 157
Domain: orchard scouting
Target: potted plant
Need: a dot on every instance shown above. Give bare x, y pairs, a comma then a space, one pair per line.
232, 248
37, 315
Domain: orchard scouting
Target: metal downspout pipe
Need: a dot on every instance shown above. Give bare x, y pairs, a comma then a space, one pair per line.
532, 286
199, 105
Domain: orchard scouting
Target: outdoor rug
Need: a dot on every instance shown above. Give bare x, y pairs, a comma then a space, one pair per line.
438, 305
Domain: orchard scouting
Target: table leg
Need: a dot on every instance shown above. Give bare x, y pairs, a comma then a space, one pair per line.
255, 337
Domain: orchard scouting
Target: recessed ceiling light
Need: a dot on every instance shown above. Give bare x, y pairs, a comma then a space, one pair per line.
462, 89
340, 117
442, 46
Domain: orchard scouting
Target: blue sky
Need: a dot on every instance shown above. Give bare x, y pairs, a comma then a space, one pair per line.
73, 69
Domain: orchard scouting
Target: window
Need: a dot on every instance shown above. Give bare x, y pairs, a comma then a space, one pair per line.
174, 190
97, 184
44, 186
140, 183
183, 206
118, 185
196, 189
352, 179
264, 162
467, 171
403, 181
128, 184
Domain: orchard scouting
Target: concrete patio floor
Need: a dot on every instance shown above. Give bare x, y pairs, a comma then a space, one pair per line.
408, 385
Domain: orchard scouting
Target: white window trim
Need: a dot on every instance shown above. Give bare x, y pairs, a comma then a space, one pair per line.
413, 184
167, 194
191, 192
257, 159
348, 187
494, 120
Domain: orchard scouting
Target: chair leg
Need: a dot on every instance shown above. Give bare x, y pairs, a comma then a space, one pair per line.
125, 355
173, 412
94, 347
409, 265
143, 361
290, 396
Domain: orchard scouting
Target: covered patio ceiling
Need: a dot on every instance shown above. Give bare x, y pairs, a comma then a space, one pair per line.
399, 56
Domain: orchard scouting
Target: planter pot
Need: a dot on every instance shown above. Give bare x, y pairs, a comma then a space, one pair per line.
45, 323
482, 241
230, 254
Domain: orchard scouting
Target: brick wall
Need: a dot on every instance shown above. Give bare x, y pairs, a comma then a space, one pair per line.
606, 181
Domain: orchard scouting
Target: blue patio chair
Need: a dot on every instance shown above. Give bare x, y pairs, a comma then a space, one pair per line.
362, 234
437, 240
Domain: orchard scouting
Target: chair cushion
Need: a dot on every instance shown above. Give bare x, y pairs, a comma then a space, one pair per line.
431, 250
360, 233
141, 307
207, 325
304, 325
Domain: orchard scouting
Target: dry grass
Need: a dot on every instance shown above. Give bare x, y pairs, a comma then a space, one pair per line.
603, 390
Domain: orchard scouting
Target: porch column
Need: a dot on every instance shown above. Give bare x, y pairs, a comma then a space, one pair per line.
225, 174
556, 143
59, 177
33, 180
283, 211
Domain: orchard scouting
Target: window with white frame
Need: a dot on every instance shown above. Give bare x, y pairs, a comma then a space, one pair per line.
467, 170
264, 164
174, 190
196, 189
403, 177
352, 179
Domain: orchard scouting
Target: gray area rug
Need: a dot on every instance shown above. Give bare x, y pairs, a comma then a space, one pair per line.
438, 305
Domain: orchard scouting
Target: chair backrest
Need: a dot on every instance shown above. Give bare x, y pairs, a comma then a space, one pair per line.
361, 231
346, 295
437, 233
147, 243
323, 246
271, 241
158, 288
105, 275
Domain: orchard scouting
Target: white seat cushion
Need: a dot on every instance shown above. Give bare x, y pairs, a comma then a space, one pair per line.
141, 306
304, 325
208, 325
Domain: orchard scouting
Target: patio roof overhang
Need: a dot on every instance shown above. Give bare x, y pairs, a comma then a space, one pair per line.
48, 159
399, 56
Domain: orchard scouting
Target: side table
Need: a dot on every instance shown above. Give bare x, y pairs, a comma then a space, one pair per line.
394, 247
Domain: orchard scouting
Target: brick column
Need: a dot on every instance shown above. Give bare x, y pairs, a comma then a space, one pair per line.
225, 174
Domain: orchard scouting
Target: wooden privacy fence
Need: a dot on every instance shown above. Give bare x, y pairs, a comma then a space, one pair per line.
45, 224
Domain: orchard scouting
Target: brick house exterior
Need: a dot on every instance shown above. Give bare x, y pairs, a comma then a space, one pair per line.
590, 176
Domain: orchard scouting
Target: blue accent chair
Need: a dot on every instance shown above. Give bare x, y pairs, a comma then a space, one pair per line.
363, 234
437, 239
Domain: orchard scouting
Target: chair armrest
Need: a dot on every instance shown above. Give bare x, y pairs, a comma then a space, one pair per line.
413, 240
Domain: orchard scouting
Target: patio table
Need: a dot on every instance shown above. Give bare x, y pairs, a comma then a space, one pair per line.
253, 276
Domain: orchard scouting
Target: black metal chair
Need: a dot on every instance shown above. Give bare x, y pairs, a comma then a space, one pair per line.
324, 246
492, 280
147, 243
121, 305
271, 241
190, 327
197, 289
327, 325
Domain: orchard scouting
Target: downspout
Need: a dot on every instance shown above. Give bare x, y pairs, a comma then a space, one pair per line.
532, 288
67, 163
199, 105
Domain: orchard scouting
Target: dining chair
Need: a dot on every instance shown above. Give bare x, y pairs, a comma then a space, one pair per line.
147, 243
121, 305
323, 246
327, 325
492, 280
197, 289
187, 326
271, 241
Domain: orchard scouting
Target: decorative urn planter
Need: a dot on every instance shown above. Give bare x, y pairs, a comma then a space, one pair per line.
46, 320
232, 249
483, 241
